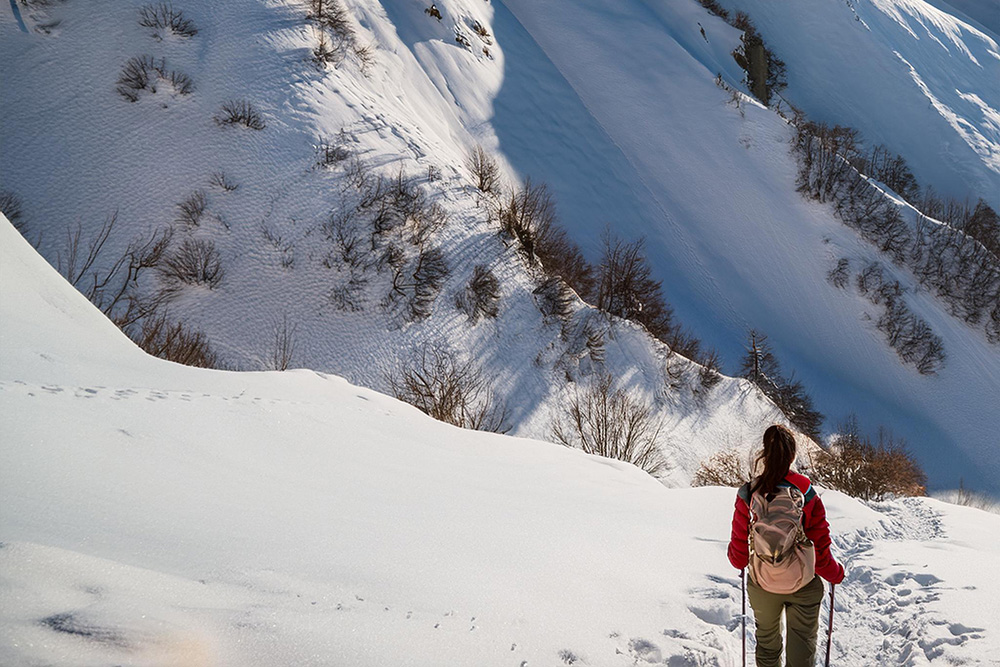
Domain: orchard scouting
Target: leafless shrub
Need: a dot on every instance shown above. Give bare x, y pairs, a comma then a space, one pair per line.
365, 55
181, 82
283, 344
485, 170
285, 249
428, 277
145, 72
219, 180
328, 51
841, 273
526, 215
349, 296
555, 299
341, 230
196, 262
110, 283
481, 296
726, 468
11, 206
174, 342
425, 221
337, 37
450, 390
240, 112
908, 334
710, 374
826, 154
611, 422
433, 173
136, 75
869, 469
330, 14
192, 209
357, 172
163, 16
333, 151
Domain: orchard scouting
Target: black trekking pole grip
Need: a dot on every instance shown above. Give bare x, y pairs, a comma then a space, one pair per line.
829, 632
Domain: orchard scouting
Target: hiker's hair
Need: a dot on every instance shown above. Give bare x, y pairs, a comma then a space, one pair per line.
775, 459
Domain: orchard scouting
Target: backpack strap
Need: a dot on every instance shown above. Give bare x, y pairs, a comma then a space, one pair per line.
744, 493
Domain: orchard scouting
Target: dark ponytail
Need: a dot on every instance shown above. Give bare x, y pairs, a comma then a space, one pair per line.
775, 459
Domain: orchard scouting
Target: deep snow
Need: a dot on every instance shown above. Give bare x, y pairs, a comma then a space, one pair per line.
154, 514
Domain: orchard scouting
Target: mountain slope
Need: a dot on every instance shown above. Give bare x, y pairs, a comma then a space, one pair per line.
710, 185
906, 74
713, 190
154, 514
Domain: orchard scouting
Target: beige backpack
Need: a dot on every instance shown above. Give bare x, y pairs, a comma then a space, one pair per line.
782, 558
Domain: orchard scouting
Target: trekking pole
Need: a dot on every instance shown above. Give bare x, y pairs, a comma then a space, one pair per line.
829, 631
743, 589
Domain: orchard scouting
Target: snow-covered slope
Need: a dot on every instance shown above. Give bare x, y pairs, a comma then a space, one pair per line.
711, 187
154, 514
906, 73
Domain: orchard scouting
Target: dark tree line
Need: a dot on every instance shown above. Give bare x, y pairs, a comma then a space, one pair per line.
956, 255
762, 368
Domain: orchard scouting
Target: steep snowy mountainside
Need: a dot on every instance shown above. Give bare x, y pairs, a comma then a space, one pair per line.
615, 105
419, 109
905, 73
985, 12
155, 514
713, 189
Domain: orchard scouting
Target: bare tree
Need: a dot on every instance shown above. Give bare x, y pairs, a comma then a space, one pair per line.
111, 283
627, 289
611, 422
450, 390
526, 215
283, 344
485, 171
726, 468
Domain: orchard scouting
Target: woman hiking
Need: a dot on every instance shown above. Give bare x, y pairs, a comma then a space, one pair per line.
780, 532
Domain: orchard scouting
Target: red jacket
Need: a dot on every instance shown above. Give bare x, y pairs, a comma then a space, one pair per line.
813, 521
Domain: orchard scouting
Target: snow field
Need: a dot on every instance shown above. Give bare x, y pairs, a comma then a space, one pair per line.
154, 514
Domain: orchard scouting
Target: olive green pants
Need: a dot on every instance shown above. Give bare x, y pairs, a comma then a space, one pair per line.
801, 616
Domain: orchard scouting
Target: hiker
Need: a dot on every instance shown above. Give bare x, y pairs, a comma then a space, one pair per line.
781, 535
